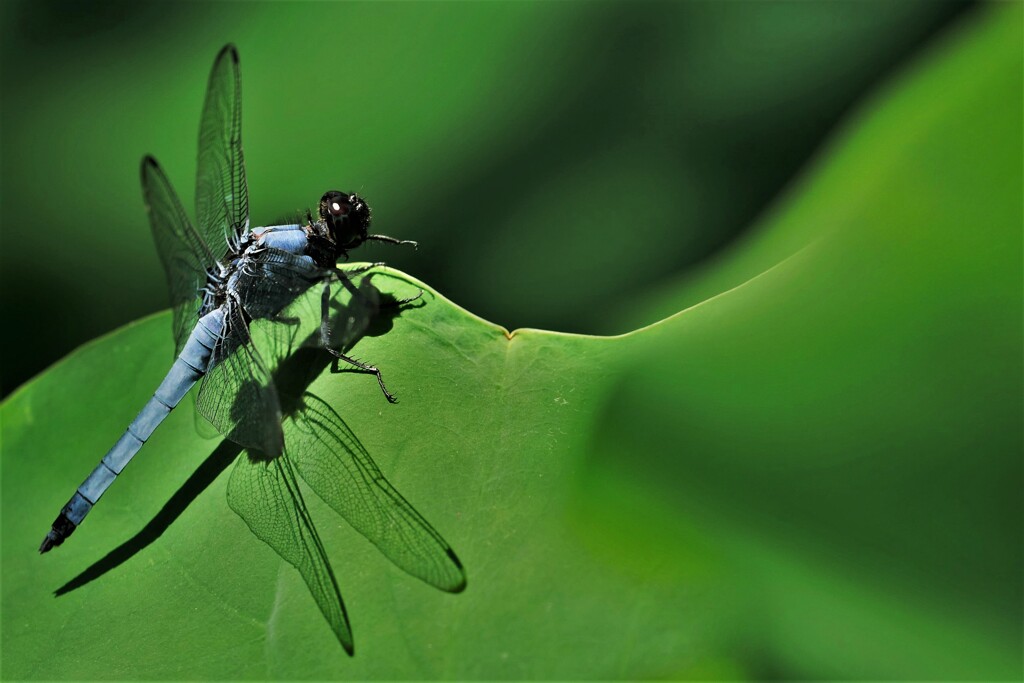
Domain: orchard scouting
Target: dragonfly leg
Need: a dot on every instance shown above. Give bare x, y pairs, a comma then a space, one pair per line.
391, 240
345, 276
365, 367
357, 269
325, 306
325, 338
325, 316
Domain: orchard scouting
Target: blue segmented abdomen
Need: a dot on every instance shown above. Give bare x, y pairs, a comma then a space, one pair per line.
190, 365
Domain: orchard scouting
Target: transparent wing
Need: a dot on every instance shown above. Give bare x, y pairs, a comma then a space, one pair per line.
286, 297
265, 494
182, 251
270, 287
202, 426
334, 463
277, 287
238, 394
352, 308
270, 280
222, 199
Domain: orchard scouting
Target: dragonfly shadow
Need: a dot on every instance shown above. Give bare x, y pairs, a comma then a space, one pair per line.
373, 316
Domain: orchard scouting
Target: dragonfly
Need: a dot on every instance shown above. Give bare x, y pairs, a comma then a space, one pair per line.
239, 295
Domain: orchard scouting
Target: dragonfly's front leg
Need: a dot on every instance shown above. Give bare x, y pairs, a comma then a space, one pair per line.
365, 367
346, 275
325, 337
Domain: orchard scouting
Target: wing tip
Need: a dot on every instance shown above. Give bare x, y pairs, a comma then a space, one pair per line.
343, 631
460, 585
147, 164
229, 49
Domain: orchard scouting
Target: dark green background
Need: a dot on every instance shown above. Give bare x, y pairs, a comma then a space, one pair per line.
556, 161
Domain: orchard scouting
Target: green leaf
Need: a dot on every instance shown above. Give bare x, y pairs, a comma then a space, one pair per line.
814, 472
484, 442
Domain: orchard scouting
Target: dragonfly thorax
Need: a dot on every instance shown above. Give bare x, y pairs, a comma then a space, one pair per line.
213, 290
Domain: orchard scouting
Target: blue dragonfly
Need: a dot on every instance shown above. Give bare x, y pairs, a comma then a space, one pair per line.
240, 295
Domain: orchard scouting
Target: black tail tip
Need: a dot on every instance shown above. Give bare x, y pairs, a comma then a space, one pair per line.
61, 528
50, 542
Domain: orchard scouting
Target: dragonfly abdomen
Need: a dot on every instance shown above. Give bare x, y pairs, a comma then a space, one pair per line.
190, 365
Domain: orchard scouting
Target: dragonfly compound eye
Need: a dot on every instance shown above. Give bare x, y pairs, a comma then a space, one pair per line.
335, 205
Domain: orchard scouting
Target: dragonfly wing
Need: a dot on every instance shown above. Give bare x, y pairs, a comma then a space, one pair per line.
277, 291
202, 426
283, 287
352, 309
183, 252
271, 279
222, 198
351, 304
238, 395
331, 460
266, 495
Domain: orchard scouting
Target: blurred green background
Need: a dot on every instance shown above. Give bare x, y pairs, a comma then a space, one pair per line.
557, 162
814, 472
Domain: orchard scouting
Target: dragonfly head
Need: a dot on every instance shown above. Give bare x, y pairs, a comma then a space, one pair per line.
347, 216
